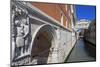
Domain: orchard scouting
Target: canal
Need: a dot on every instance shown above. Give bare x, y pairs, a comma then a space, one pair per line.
79, 53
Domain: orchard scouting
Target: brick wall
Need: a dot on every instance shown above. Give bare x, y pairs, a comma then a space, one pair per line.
55, 10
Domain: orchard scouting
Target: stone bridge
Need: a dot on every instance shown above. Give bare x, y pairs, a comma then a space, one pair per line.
48, 41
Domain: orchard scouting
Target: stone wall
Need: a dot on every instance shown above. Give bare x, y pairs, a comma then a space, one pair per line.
59, 38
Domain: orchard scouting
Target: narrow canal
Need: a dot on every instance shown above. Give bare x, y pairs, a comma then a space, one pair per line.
79, 53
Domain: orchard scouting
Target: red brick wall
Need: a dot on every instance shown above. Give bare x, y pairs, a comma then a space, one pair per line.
54, 10
50, 9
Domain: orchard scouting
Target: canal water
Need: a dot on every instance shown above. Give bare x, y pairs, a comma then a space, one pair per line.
79, 53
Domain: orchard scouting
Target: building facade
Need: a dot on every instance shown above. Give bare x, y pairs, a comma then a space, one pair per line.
60, 12
82, 24
41, 33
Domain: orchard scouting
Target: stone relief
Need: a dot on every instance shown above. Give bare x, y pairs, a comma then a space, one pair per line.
19, 30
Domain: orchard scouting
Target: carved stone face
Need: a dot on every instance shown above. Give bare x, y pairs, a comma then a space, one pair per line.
24, 21
17, 22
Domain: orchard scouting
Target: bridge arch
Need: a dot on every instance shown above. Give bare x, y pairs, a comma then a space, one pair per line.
42, 44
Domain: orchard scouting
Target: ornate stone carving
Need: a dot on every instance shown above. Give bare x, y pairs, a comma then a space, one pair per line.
19, 31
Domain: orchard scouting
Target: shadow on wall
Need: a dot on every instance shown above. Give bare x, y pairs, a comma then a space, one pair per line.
41, 48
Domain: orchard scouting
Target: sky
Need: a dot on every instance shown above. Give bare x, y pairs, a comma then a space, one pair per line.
85, 12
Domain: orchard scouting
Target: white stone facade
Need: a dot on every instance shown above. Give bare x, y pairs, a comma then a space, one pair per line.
60, 39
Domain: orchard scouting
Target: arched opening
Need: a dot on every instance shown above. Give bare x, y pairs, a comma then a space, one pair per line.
42, 44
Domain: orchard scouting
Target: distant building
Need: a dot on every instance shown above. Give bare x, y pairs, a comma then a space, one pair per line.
90, 33
90, 38
82, 24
